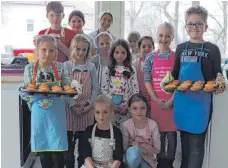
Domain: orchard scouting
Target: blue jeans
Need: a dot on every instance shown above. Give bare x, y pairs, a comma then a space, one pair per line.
134, 158
192, 149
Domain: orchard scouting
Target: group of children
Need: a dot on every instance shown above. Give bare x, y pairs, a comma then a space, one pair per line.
136, 122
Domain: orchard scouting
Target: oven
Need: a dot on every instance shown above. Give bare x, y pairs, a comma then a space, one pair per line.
26, 156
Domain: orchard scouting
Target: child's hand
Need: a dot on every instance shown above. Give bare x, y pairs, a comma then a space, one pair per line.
160, 103
86, 109
35, 39
135, 144
76, 110
167, 79
169, 104
143, 148
117, 108
123, 107
59, 43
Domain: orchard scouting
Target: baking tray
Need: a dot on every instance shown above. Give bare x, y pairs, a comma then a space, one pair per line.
189, 89
50, 93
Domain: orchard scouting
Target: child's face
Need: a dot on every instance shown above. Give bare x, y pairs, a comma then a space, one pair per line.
54, 18
102, 113
195, 27
146, 47
138, 110
104, 45
76, 23
80, 50
106, 21
120, 54
46, 52
165, 36
104, 42
133, 44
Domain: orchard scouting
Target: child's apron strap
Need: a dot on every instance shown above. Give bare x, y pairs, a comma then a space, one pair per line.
36, 68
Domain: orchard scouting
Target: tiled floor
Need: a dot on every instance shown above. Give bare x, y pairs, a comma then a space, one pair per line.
37, 164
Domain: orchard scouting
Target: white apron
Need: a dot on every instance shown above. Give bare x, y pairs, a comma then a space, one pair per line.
102, 149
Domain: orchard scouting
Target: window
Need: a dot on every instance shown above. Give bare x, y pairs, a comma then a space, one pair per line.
29, 25
145, 16
64, 24
13, 14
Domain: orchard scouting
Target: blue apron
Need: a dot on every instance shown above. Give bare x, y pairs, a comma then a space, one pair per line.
48, 123
191, 110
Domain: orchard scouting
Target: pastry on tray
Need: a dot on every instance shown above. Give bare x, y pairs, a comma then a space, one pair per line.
187, 81
209, 87
175, 82
68, 89
56, 89
182, 88
31, 87
211, 83
196, 87
43, 87
186, 84
199, 82
170, 86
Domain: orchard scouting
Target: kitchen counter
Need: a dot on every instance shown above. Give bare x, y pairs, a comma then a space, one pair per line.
14, 78
10, 130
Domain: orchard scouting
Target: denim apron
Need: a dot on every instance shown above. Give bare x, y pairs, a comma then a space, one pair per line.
48, 119
191, 110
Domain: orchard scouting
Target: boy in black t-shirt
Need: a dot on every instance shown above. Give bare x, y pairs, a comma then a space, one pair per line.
195, 60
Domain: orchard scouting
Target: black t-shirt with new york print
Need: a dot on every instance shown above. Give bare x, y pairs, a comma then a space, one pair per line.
211, 58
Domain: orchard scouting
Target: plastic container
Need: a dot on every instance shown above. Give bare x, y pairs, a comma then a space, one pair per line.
16, 52
30, 56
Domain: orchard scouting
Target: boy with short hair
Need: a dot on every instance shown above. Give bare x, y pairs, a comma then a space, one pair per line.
195, 60
55, 15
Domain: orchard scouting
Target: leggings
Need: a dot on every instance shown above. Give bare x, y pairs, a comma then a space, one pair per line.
51, 159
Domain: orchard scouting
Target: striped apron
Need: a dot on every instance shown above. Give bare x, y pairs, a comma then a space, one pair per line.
80, 122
